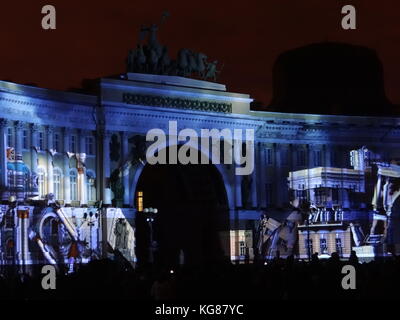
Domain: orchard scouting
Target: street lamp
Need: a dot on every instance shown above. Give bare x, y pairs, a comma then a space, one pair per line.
150, 217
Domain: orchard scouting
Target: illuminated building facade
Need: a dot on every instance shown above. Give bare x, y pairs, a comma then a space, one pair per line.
87, 148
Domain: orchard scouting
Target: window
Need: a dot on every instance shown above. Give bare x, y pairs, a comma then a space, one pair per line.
301, 194
140, 201
41, 141
323, 246
285, 157
317, 158
56, 142
72, 144
41, 183
339, 248
268, 194
73, 188
57, 183
269, 156
301, 158
320, 196
10, 248
89, 145
90, 186
242, 248
333, 158
25, 139
10, 137
335, 195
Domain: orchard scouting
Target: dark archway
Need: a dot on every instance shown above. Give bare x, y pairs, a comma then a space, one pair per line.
193, 214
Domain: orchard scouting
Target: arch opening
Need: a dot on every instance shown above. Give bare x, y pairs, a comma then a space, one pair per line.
192, 223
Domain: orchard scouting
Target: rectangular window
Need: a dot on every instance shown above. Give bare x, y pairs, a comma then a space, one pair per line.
301, 158
320, 196
56, 142
57, 185
317, 158
89, 145
41, 184
285, 157
10, 137
72, 144
323, 246
339, 248
242, 248
335, 195
140, 201
268, 194
41, 141
25, 139
73, 187
269, 156
333, 158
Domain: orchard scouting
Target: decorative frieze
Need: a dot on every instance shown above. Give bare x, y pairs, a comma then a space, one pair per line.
169, 102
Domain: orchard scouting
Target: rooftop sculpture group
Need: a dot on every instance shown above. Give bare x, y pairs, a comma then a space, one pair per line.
154, 58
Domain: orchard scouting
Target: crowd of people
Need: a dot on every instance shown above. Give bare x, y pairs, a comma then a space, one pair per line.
278, 279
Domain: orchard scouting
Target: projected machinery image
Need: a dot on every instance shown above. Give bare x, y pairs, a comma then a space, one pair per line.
338, 210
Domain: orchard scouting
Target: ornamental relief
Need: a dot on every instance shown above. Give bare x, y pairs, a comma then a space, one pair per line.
178, 103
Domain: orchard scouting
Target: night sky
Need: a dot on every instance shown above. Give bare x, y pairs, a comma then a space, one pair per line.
93, 37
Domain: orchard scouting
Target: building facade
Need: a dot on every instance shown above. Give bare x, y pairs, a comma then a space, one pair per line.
88, 148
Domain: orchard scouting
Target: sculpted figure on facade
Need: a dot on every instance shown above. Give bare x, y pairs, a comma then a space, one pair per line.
153, 57
121, 233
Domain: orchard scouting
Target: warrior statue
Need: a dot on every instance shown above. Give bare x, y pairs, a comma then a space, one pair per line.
212, 71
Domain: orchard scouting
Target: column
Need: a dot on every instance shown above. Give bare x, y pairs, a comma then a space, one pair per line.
23, 255
106, 168
310, 165
125, 167
67, 183
253, 187
293, 157
18, 138
81, 168
279, 188
50, 171
328, 155
3, 159
20, 177
238, 188
263, 175
34, 158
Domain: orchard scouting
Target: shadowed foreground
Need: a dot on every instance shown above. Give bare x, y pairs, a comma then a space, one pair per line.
280, 279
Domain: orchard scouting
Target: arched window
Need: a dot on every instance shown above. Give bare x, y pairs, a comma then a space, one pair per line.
41, 183
57, 183
90, 186
73, 177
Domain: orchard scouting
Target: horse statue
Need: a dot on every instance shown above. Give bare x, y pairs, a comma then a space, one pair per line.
183, 62
153, 60
164, 61
212, 71
201, 59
